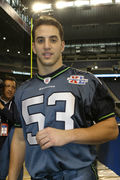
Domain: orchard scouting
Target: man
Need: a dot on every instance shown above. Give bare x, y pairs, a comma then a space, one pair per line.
64, 113
8, 113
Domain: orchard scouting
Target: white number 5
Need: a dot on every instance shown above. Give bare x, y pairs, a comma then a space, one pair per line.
39, 118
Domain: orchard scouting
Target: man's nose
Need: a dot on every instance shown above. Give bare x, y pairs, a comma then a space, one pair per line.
11, 88
47, 44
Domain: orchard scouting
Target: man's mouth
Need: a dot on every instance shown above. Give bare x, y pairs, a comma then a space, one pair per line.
47, 55
10, 93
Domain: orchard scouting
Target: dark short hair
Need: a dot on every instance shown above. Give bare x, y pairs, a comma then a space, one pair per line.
47, 20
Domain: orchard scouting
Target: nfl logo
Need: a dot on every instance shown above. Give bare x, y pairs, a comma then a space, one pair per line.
76, 79
47, 80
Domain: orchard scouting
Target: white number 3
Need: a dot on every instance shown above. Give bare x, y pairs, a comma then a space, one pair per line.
39, 118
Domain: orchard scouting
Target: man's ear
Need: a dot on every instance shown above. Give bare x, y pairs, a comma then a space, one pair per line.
33, 48
62, 46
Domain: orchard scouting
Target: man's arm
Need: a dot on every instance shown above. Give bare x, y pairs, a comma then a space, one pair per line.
98, 133
17, 154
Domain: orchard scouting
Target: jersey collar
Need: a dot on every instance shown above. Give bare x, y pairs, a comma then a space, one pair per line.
54, 74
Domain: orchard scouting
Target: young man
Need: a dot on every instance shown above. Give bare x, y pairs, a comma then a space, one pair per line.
64, 113
8, 114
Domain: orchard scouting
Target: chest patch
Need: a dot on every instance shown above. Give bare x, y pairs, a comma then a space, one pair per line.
47, 80
75, 79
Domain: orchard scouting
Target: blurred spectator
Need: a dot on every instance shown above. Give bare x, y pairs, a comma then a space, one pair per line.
8, 113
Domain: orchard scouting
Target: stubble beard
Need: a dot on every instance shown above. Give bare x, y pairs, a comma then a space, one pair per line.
47, 62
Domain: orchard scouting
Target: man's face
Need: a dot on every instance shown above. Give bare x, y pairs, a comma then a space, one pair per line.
9, 90
48, 45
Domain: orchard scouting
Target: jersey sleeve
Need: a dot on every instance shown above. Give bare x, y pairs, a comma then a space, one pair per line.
103, 105
17, 122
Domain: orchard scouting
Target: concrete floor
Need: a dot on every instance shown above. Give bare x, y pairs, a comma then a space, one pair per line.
106, 174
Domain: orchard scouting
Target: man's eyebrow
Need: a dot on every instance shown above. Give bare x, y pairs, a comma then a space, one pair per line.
53, 36
39, 37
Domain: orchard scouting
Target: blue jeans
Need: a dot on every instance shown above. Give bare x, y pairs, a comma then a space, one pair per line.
5, 157
87, 173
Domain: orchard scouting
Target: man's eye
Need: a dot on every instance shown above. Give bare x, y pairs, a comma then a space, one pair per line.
7, 86
40, 41
53, 40
13, 87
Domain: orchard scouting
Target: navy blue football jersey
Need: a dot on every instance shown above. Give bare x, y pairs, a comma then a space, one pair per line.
65, 99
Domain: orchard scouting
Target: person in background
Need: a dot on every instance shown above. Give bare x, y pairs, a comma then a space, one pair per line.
1, 84
64, 113
8, 113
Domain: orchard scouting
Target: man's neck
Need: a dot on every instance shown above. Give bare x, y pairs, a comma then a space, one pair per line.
44, 69
48, 71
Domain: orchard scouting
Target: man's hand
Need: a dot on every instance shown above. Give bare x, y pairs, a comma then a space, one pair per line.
49, 137
99, 133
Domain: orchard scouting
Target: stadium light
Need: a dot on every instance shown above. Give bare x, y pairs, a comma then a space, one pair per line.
81, 3
107, 75
63, 4
19, 72
97, 2
40, 7
117, 1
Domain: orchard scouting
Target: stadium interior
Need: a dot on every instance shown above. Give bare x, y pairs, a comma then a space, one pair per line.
92, 38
